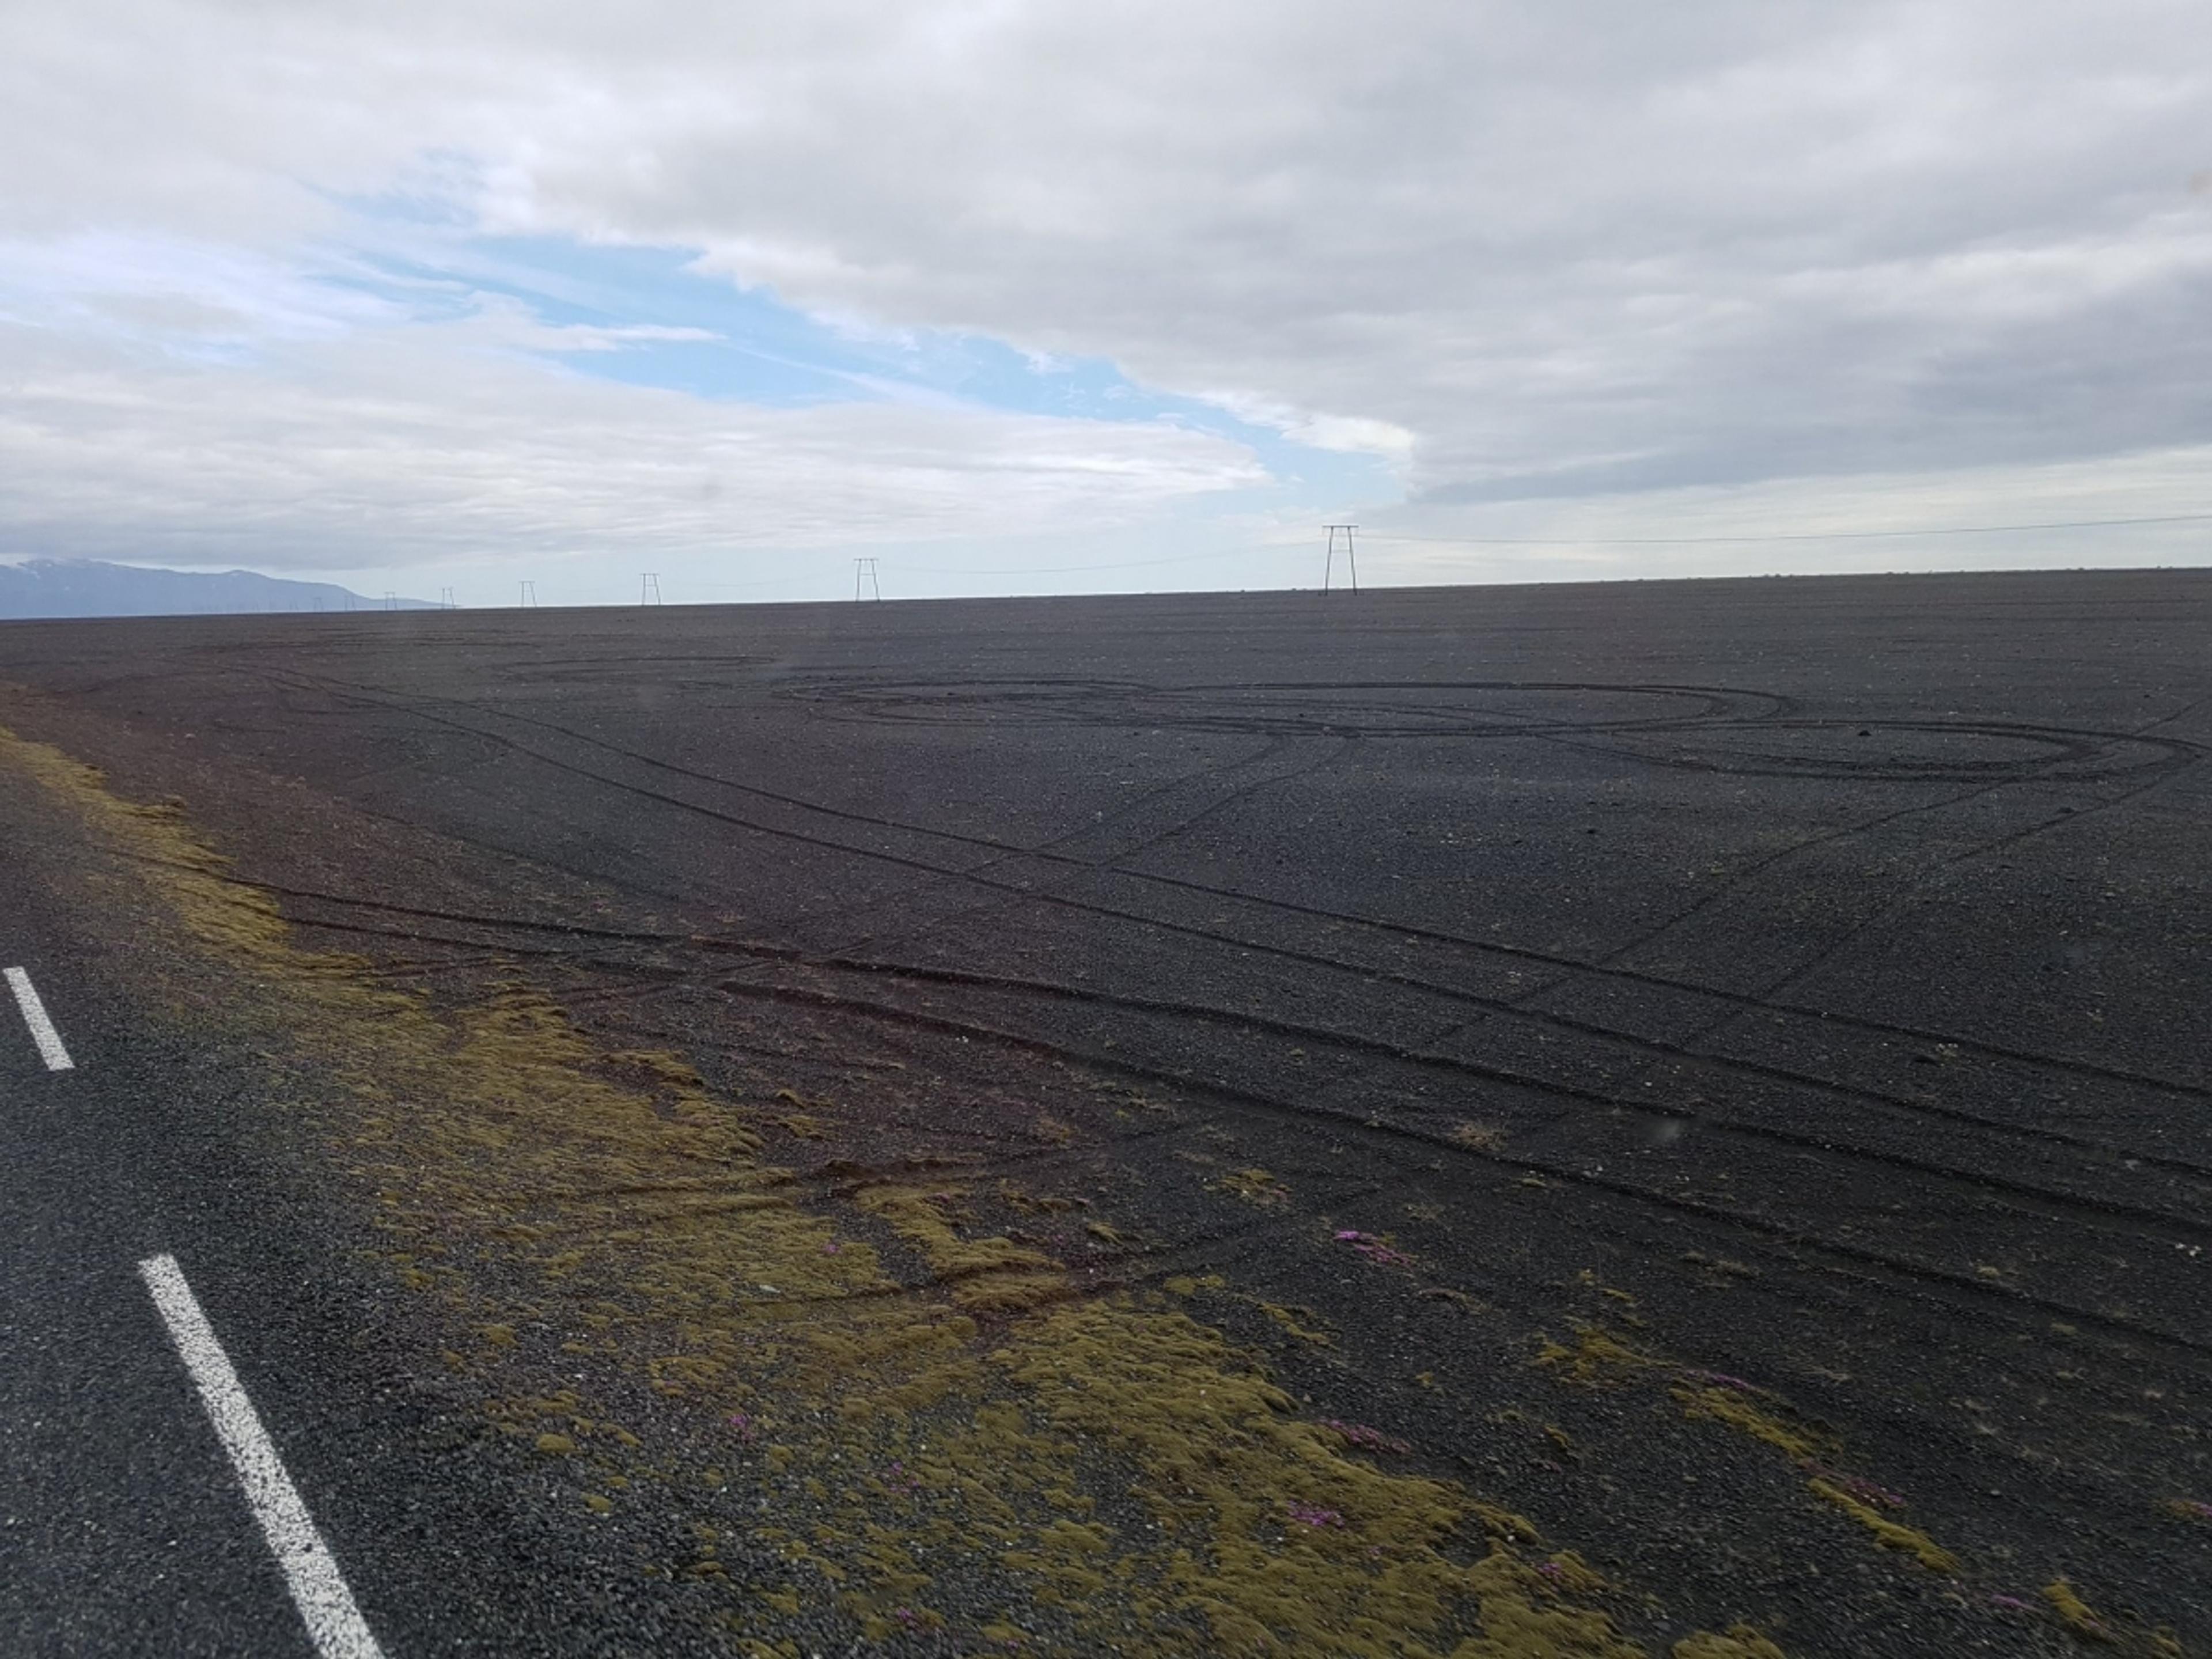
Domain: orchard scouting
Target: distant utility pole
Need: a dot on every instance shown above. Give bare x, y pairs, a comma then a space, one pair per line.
648, 589
350, 599
1352, 561
529, 599
446, 600
391, 600
864, 580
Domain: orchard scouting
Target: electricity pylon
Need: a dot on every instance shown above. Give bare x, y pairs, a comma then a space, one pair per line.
1351, 559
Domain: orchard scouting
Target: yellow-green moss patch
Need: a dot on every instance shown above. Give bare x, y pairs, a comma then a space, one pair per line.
2074, 1612
1742, 1413
1737, 1642
1596, 1360
1889, 1534
639, 1235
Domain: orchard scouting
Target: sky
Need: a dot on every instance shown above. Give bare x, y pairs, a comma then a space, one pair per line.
1029, 298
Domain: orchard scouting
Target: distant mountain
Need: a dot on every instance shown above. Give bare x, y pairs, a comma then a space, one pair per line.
56, 587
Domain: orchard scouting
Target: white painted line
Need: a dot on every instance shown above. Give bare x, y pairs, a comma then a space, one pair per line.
334, 1623
34, 1016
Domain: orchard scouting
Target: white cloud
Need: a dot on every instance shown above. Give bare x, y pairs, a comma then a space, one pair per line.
432, 443
2087, 514
159, 289
1515, 251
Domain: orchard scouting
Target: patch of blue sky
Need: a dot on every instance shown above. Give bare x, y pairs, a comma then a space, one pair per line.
748, 345
761, 349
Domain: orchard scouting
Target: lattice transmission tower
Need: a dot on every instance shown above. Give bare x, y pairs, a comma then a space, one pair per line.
1351, 558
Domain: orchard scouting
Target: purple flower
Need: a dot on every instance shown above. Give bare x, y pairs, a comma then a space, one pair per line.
1373, 1439
1373, 1249
2009, 1603
1309, 1515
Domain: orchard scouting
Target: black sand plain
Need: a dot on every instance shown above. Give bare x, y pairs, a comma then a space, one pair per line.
1693, 1094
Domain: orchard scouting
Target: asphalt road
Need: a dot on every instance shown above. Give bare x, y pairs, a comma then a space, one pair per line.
122, 1526
1810, 975
126, 1528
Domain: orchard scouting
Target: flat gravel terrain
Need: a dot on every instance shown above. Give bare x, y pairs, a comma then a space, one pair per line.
1707, 1083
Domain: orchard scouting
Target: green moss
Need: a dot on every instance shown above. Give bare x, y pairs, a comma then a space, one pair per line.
1522, 1619
1738, 1642
1596, 1360
1253, 1186
631, 1212
1294, 1321
1740, 1413
1889, 1534
2074, 1612
988, 1275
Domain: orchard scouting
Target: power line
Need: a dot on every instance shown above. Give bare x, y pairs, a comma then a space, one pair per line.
529, 597
1789, 536
731, 588
1125, 564
1573, 541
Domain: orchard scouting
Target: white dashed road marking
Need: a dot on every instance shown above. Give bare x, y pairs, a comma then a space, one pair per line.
34, 1016
334, 1622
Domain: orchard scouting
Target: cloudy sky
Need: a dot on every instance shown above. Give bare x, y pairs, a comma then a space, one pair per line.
1038, 297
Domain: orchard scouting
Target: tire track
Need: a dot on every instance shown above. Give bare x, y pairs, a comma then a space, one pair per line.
1920, 883
1117, 860
1378, 1135
1733, 1064
2085, 1069
2158, 1225
1653, 1048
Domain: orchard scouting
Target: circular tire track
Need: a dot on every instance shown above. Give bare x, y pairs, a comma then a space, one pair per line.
1910, 751
1382, 708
